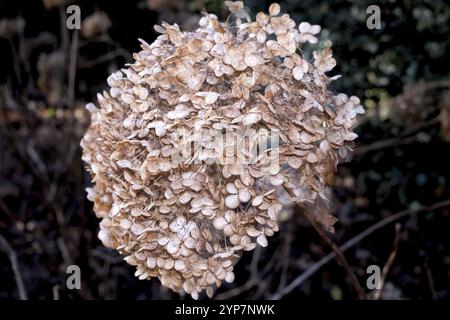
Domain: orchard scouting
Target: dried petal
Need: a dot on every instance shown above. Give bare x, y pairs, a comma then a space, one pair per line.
262, 240
232, 201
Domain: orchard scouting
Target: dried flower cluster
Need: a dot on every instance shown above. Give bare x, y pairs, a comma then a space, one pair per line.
95, 25
412, 105
188, 223
419, 102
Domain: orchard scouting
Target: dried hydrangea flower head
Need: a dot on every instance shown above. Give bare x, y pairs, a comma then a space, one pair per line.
188, 222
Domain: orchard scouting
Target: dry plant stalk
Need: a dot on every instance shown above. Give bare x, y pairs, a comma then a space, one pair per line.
188, 222
445, 115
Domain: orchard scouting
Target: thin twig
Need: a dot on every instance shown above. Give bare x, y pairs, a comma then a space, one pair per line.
73, 67
387, 266
104, 58
383, 144
254, 263
434, 295
339, 255
12, 255
285, 260
352, 242
402, 139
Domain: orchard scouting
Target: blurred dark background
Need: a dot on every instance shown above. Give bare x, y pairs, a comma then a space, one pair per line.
400, 169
